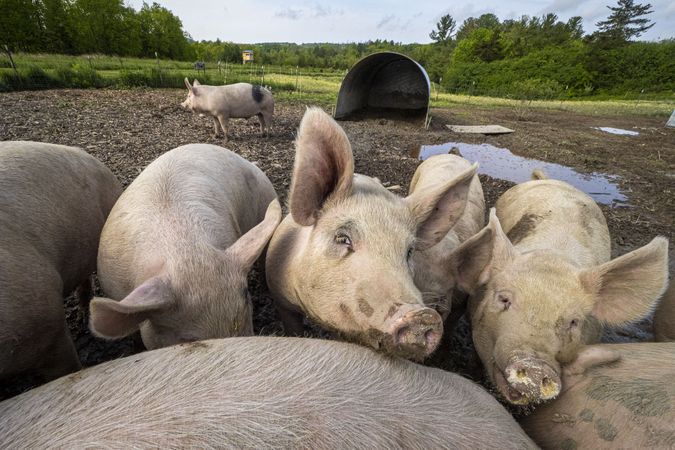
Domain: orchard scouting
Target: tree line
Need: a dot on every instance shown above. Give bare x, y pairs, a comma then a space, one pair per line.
530, 56
93, 26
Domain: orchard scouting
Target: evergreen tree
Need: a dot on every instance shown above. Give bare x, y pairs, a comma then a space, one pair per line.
625, 21
444, 31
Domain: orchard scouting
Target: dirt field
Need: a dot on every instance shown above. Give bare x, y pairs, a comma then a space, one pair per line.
129, 129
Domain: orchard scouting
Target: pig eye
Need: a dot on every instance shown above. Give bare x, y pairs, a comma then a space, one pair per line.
504, 300
410, 253
343, 239
573, 324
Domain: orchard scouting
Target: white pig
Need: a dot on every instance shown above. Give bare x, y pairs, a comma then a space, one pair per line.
432, 266
232, 101
259, 393
542, 281
178, 245
53, 203
344, 254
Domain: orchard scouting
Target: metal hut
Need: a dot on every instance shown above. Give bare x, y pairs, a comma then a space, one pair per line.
384, 84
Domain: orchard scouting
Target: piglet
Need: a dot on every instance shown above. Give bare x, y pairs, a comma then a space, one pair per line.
178, 245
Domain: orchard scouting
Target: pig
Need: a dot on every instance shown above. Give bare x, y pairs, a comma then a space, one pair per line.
629, 403
54, 201
432, 265
233, 101
343, 256
664, 317
178, 245
263, 393
542, 284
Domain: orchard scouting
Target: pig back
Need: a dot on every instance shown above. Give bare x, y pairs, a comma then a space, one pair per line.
194, 193
54, 201
626, 404
259, 392
541, 213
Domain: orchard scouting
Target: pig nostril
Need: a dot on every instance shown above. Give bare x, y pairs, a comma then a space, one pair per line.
401, 333
545, 382
521, 373
429, 336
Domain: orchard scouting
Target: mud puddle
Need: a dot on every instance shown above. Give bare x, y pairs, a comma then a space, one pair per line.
501, 163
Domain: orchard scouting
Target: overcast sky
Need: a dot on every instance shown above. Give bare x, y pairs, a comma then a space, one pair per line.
251, 21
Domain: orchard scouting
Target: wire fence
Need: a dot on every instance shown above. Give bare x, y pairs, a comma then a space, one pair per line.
43, 71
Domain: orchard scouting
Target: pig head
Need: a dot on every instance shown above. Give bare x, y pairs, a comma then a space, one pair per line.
343, 256
532, 309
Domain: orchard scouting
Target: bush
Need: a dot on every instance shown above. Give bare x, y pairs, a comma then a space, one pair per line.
79, 76
535, 89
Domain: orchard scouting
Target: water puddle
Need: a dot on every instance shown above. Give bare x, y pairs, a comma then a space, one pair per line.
502, 164
617, 131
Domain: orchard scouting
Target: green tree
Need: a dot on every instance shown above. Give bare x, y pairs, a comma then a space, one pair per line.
626, 20
21, 25
445, 28
59, 29
489, 21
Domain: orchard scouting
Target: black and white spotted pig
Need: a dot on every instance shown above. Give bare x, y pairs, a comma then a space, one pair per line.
232, 101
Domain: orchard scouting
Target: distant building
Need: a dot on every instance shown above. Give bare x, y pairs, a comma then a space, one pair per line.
247, 56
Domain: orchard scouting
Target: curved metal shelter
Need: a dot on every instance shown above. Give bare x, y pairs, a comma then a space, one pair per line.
384, 82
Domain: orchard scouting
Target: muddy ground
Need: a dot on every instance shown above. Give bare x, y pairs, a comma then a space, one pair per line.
129, 129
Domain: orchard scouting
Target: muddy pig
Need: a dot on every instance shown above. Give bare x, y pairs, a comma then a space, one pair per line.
263, 393
664, 317
629, 403
542, 284
232, 101
344, 254
432, 265
53, 203
178, 245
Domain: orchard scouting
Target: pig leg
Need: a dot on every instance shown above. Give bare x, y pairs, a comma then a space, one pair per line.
292, 321
215, 127
263, 126
223, 123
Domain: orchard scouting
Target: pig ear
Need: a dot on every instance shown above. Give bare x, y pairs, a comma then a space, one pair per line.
591, 356
488, 251
248, 248
439, 207
324, 166
628, 287
196, 83
113, 320
187, 84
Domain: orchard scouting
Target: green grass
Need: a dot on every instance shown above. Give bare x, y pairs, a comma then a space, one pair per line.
305, 85
662, 108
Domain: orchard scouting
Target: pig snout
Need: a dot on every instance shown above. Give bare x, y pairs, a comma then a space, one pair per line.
415, 332
530, 380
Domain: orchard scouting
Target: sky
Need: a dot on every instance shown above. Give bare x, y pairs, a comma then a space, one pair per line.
406, 21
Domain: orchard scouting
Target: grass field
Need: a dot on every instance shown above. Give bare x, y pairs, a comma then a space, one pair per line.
292, 84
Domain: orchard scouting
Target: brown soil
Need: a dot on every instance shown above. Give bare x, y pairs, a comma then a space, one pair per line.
128, 129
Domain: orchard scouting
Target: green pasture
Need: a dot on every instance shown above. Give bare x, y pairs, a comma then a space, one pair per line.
291, 84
